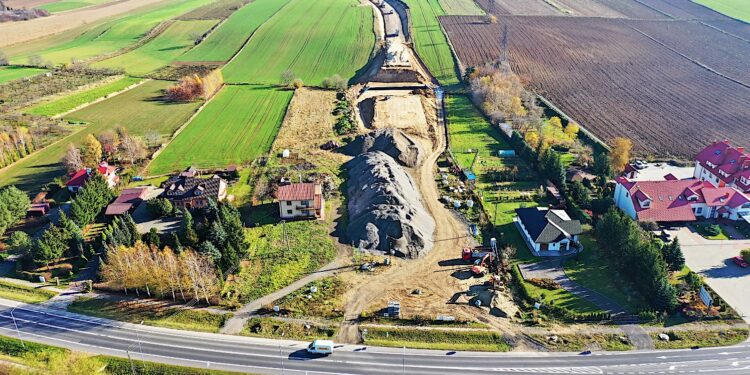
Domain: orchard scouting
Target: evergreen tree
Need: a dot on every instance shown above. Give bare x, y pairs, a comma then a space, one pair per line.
188, 228
49, 247
666, 296
602, 165
152, 238
216, 234
176, 244
19, 242
132, 229
673, 255
207, 248
232, 222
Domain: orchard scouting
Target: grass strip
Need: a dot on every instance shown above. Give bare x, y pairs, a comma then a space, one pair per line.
23, 293
70, 102
474, 340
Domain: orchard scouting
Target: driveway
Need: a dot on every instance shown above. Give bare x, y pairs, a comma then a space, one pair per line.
712, 260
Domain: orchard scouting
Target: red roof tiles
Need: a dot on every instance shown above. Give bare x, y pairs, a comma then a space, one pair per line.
297, 192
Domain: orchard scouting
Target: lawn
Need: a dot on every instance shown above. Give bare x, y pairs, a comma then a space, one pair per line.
72, 101
469, 130
272, 263
702, 229
226, 40
138, 110
63, 5
102, 38
313, 39
158, 314
700, 338
739, 9
592, 271
290, 330
325, 302
23, 293
10, 73
430, 42
439, 339
162, 50
460, 8
237, 126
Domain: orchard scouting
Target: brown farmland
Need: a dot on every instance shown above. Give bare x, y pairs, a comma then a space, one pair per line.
614, 80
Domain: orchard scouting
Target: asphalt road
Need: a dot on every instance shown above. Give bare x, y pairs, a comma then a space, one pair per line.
244, 354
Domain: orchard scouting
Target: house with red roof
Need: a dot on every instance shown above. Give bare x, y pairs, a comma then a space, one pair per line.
127, 201
722, 164
78, 179
301, 200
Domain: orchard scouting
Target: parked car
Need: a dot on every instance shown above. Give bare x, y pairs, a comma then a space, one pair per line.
740, 261
324, 347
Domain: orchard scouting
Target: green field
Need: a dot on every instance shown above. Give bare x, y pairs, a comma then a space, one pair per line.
139, 111
237, 126
430, 42
461, 8
157, 53
102, 38
469, 130
10, 73
739, 9
313, 39
70, 102
63, 5
226, 40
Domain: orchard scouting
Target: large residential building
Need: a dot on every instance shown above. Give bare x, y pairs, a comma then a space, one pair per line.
78, 179
302, 200
127, 201
193, 192
721, 164
548, 232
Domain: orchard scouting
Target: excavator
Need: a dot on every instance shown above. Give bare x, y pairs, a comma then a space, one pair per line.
483, 265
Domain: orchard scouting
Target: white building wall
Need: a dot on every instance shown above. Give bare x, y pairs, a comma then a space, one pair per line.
623, 201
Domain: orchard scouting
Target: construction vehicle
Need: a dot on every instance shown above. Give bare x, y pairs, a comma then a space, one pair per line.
470, 255
483, 265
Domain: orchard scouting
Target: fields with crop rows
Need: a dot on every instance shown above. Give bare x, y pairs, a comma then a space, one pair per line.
138, 111
430, 42
461, 8
10, 73
237, 126
313, 39
739, 9
226, 40
69, 102
162, 50
617, 82
102, 38
63, 5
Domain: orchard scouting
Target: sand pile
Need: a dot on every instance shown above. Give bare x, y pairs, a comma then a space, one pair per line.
385, 207
392, 142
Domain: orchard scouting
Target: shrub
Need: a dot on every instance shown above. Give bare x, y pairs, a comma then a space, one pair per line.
159, 207
648, 315
713, 230
298, 84
545, 283
745, 254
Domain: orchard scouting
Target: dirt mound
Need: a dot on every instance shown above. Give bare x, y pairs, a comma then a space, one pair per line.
392, 142
385, 207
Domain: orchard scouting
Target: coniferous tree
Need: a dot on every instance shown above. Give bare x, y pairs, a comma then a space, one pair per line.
188, 228
208, 249
49, 247
152, 238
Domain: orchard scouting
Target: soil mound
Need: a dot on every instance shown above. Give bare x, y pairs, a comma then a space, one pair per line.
392, 142
385, 207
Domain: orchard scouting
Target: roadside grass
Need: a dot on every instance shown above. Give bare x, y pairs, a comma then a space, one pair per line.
581, 342
313, 39
287, 329
64, 5
326, 302
162, 50
461, 8
592, 271
11, 73
440, 339
226, 40
70, 102
700, 338
122, 366
152, 314
739, 9
102, 38
272, 264
561, 298
430, 42
235, 127
23, 293
139, 111
418, 321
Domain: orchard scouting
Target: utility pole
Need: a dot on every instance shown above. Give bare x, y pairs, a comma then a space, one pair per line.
281, 359
23, 345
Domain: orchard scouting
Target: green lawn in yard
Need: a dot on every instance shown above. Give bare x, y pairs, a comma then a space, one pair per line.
430, 42
151, 314
469, 130
226, 40
63, 5
237, 126
72, 101
104, 37
23, 293
461, 8
739, 9
701, 228
593, 271
10, 73
313, 39
137, 110
162, 50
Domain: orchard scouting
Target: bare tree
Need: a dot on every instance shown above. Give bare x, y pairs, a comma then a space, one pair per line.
36, 60
4, 59
72, 159
109, 141
152, 139
132, 148
287, 77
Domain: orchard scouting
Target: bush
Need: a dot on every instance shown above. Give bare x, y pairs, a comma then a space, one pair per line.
548, 284
159, 207
298, 84
648, 315
713, 230
745, 254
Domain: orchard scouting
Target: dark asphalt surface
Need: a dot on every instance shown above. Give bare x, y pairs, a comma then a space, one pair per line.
234, 353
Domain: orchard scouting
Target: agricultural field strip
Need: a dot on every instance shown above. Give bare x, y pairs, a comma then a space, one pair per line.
304, 38
231, 128
67, 5
738, 9
224, 43
602, 100
70, 102
430, 41
12, 73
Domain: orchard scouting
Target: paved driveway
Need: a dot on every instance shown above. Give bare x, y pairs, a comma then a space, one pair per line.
712, 260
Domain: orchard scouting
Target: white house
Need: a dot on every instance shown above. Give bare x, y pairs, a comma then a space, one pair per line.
547, 232
302, 200
722, 165
78, 180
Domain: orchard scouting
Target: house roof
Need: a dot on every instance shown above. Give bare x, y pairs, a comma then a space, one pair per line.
79, 178
183, 187
546, 226
728, 163
299, 192
126, 200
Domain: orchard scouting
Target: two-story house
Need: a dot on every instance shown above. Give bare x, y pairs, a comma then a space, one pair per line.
193, 192
722, 165
78, 179
301, 200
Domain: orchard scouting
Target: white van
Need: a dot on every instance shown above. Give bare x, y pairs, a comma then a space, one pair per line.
324, 347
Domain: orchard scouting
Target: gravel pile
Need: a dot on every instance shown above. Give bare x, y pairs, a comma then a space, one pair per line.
392, 142
385, 207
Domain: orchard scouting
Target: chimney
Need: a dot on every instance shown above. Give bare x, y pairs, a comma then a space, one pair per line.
741, 149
